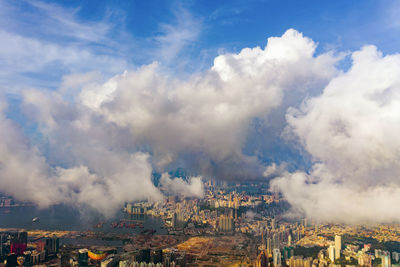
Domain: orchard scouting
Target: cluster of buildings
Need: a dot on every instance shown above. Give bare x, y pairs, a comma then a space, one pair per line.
229, 213
227, 227
220, 211
333, 253
14, 249
108, 257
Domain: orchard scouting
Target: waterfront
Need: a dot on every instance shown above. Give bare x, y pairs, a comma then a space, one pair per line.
68, 219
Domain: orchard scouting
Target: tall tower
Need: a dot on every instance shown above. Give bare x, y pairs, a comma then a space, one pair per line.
386, 262
338, 246
174, 220
262, 259
83, 257
269, 246
263, 247
277, 257
275, 241
331, 252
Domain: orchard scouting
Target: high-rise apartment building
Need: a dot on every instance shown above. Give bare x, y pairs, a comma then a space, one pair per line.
262, 259
331, 253
277, 257
338, 246
225, 223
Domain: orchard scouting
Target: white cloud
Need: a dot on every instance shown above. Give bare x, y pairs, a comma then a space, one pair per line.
20, 55
43, 41
351, 131
175, 37
23, 170
97, 131
274, 170
27, 176
210, 112
177, 186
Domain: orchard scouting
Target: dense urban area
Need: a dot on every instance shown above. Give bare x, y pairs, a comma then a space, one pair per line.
233, 225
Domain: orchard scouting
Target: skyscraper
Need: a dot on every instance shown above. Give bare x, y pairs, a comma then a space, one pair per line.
2, 245
332, 254
262, 259
52, 245
225, 223
269, 246
65, 258
275, 241
83, 258
273, 224
386, 262
174, 220
287, 253
18, 242
277, 257
338, 246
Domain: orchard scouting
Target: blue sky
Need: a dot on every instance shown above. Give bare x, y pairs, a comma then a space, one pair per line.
185, 36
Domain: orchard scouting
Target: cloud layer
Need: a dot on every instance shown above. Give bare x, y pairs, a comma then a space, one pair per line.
192, 188
101, 141
210, 113
351, 131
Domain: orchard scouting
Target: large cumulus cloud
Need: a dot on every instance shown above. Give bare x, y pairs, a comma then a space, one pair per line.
210, 113
101, 140
352, 133
26, 174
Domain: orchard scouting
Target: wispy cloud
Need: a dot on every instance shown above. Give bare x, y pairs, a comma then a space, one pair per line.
176, 36
41, 42
391, 14
31, 62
